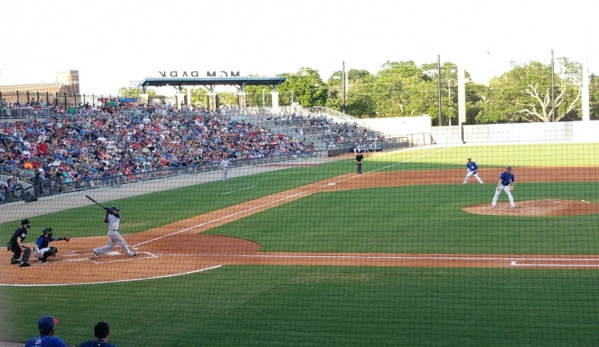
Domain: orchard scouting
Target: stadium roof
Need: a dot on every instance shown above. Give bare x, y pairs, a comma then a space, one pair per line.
211, 82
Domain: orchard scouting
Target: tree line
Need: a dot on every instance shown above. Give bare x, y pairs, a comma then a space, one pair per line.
403, 89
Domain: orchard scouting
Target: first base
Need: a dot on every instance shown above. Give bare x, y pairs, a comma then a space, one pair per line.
331, 184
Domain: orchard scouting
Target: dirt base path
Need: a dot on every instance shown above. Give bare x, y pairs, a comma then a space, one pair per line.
180, 248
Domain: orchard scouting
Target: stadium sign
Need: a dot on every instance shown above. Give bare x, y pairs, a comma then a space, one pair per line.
196, 74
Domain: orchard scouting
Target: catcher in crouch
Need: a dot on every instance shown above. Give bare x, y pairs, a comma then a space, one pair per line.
41, 250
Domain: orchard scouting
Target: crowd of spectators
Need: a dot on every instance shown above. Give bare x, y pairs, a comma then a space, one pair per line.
324, 127
126, 141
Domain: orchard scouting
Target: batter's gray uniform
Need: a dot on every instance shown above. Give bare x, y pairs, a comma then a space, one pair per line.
113, 218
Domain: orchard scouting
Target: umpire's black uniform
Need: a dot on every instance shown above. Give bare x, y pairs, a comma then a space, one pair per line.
13, 245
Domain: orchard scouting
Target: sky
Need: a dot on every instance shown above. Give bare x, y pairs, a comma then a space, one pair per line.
116, 44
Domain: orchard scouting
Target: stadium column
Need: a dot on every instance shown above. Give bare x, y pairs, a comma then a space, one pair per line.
180, 100
144, 98
275, 99
241, 99
212, 101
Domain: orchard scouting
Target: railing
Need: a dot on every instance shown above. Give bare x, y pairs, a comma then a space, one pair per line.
31, 191
319, 110
17, 195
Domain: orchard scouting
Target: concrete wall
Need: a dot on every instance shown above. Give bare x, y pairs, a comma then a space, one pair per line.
417, 129
395, 127
518, 132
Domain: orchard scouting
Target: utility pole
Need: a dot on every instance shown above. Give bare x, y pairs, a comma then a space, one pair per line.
343, 87
439, 86
552, 88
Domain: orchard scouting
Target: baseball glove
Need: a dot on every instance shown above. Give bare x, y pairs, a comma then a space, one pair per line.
67, 238
511, 188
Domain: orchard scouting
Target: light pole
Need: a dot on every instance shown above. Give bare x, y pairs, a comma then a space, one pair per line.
449, 93
552, 88
263, 100
449, 96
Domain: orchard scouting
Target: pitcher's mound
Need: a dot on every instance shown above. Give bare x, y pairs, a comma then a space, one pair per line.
537, 208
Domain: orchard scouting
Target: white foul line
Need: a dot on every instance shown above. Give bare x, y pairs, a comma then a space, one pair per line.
514, 263
233, 191
104, 282
219, 219
271, 202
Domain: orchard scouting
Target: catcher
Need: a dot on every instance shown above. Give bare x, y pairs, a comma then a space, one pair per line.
41, 250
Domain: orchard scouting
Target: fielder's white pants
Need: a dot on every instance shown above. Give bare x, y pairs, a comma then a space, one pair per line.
506, 189
114, 238
475, 175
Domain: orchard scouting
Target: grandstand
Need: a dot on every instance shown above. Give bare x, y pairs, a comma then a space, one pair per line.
51, 152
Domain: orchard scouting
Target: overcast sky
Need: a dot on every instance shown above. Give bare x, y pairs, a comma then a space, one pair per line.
113, 43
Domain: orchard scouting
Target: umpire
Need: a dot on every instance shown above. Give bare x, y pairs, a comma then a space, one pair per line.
16, 245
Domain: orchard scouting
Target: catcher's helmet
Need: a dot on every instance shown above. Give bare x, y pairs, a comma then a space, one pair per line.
114, 208
47, 231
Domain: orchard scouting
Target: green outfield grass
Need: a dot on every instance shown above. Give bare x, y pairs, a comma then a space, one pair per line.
421, 219
325, 306
343, 306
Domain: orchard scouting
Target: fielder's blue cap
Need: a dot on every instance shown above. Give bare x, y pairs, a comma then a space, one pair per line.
46, 323
509, 167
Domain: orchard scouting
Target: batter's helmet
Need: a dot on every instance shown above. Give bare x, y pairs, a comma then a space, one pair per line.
114, 208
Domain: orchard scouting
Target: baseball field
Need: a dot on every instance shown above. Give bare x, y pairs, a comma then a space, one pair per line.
314, 255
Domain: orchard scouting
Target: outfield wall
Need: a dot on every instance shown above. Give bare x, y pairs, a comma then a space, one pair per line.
518, 132
577, 131
398, 126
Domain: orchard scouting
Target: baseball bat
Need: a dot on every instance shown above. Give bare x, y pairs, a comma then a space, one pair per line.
95, 202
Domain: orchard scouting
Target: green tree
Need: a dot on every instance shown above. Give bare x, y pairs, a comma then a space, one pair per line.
475, 101
335, 87
594, 96
524, 94
227, 98
360, 101
401, 89
307, 87
130, 92
358, 94
199, 96
254, 96
135, 92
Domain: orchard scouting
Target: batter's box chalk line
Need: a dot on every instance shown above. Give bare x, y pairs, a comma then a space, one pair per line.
124, 258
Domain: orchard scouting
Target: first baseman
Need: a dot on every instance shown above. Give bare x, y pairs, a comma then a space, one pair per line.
506, 183
113, 218
224, 166
472, 170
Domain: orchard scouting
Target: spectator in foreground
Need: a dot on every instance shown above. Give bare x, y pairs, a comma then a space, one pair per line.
101, 332
46, 338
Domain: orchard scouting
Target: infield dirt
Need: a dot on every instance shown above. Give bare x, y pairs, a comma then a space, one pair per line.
181, 248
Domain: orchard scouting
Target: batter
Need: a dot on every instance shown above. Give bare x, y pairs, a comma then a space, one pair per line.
113, 218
